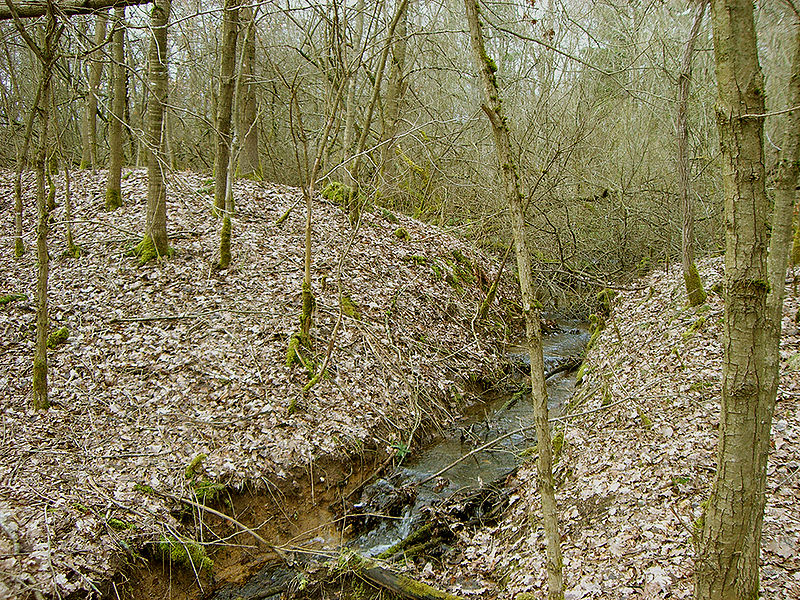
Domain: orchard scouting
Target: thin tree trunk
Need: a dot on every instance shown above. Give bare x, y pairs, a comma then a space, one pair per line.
89, 151
249, 160
114, 181
694, 286
353, 67
494, 110
728, 565
19, 245
155, 243
395, 92
227, 79
376, 91
42, 108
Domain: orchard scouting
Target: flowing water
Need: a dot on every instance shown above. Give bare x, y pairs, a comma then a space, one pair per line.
489, 422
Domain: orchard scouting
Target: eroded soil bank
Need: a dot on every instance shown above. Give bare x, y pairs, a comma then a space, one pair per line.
173, 381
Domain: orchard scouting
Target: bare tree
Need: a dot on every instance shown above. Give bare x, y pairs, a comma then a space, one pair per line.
729, 546
155, 243
89, 150
115, 151
512, 187
227, 81
694, 285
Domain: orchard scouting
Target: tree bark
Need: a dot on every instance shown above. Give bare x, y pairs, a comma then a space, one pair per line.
728, 565
376, 90
114, 181
89, 150
694, 285
493, 108
353, 67
227, 79
249, 160
155, 243
395, 92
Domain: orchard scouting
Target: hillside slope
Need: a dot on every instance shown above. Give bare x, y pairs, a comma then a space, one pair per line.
175, 360
638, 459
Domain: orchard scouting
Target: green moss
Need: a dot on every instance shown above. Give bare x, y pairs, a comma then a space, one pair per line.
583, 370
113, 199
292, 355
19, 248
606, 297
306, 317
349, 307
194, 466
85, 164
58, 337
184, 552
695, 327
119, 524
208, 491
145, 250
694, 286
598, 323
81, 508
389, 216
144, 489
415, 259
225, 243
9, 298
558, 444
401, 233
647, 423
347, 198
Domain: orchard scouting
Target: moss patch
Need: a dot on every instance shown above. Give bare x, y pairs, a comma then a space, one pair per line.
9, 298
694, 286
401, 233
58, 337
349, 307
184, 552
195, 466
347, 198
113, 199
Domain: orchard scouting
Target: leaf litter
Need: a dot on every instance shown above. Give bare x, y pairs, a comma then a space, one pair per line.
635, 470
175, 359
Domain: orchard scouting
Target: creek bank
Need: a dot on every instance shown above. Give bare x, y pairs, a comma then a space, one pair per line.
176, 359
637, 461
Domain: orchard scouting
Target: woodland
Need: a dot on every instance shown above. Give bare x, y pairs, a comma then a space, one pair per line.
400, 299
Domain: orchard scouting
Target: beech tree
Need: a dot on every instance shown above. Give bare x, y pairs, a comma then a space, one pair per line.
493, 107
729, 546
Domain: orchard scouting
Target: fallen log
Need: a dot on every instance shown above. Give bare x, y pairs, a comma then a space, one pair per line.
404, 586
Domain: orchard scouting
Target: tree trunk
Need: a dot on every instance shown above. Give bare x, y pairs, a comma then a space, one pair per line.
728, 564
494, 110
40, 387
249, 161
694, 286
353, 67
38, 8
89, 151
394, 96
227, 79
114, 181
155, 243
376, 90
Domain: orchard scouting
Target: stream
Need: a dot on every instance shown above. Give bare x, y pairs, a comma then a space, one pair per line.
483, 424
397, 503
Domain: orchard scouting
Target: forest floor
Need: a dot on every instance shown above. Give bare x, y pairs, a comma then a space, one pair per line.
634, 471
174, 375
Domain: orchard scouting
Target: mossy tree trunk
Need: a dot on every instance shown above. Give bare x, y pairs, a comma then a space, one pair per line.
727, 567
22, 159
89, 150
694, 285
46, 54
493, 108
155, 243
227, 80
249, 160
114, 181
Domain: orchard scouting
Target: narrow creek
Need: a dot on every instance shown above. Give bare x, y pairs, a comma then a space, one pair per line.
484, 423
397, 502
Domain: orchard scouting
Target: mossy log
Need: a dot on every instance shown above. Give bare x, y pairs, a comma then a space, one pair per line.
402, 585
